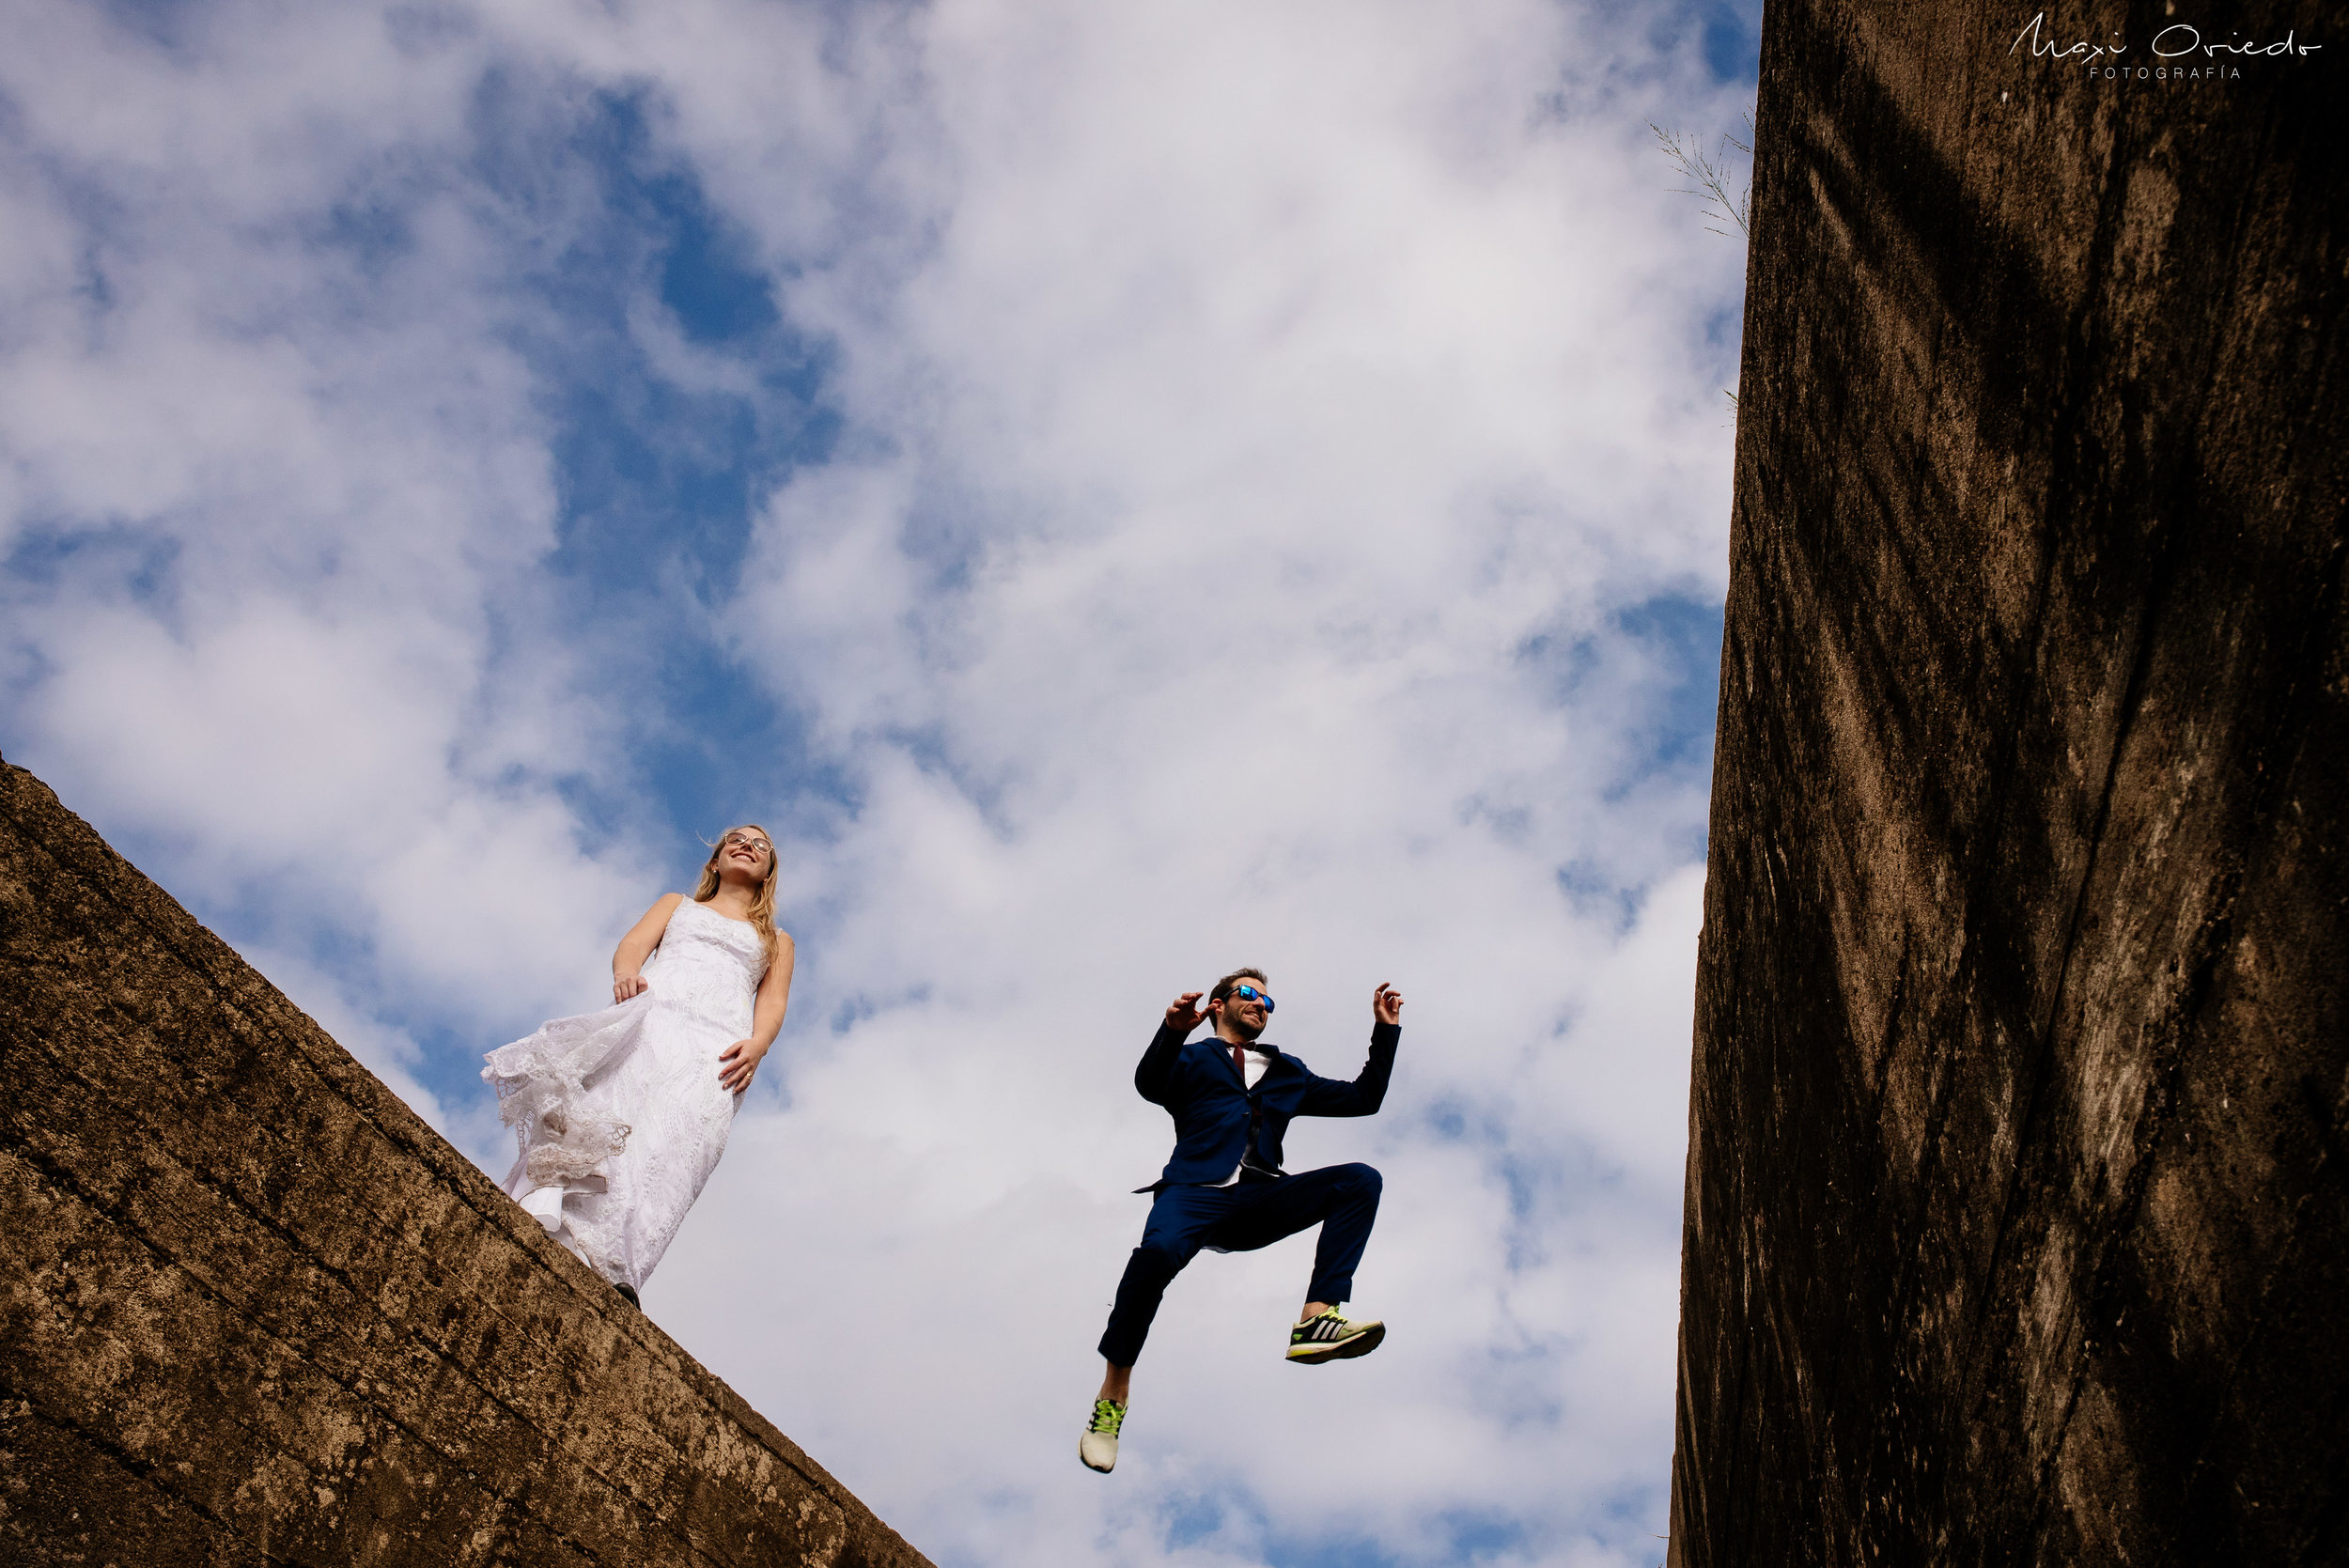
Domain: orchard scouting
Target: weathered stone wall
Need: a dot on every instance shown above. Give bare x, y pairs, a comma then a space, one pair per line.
2017, 1224
253, 1310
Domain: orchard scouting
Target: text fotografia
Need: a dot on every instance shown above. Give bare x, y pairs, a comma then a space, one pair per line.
2179, 53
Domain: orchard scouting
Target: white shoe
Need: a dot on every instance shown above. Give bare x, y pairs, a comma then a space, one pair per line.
545, 1205
1331, 1337
1098, 1447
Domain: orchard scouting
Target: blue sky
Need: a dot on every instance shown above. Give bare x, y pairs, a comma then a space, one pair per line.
1119, 491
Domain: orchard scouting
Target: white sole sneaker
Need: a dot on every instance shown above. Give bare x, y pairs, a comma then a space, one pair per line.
1331, 1338
1098, 1447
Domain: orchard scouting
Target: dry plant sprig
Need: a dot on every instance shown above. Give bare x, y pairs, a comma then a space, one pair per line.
1708, 178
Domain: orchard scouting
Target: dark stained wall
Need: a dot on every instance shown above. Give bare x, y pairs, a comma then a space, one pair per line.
2017, 1224
254, 1312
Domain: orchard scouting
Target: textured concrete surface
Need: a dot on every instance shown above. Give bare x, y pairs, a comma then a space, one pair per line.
253, 1310
2017, 1224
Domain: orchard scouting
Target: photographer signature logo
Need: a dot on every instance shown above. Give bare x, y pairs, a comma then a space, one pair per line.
2179, 53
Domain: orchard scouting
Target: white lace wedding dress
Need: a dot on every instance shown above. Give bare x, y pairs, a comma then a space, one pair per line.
621, 1114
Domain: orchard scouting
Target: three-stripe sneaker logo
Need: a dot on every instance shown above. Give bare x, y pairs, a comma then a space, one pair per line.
1328, 1337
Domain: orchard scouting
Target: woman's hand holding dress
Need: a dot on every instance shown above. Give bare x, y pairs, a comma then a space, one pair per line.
628, 960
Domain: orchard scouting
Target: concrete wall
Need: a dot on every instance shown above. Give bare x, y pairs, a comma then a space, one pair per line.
2017, 1224
253, 1310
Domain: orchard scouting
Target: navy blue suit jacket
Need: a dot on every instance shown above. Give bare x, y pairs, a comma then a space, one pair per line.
1214, 1110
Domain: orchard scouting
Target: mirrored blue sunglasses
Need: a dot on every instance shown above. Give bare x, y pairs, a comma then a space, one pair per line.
1250, 993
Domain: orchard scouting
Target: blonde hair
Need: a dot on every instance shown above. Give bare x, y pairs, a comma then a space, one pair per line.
763, 901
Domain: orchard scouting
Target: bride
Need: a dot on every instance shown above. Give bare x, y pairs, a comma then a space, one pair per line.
622, 1115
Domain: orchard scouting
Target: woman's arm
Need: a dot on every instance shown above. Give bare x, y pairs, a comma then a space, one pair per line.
738, 1061
628, 960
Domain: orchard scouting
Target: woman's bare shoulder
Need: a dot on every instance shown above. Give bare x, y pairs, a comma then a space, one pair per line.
663, 907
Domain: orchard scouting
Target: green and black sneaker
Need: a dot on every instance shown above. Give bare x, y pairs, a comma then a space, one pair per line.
1331, 1338
1098, 1447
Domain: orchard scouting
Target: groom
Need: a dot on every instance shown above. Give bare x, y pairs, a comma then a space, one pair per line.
1224, 1189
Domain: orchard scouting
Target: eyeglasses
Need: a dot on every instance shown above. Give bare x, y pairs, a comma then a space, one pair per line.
1250, 993
742, 840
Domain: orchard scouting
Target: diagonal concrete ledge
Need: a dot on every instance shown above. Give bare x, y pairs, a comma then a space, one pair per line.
253, 1311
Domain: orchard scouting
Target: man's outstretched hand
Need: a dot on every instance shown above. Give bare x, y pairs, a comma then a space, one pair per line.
1184, 1012
1386, 1004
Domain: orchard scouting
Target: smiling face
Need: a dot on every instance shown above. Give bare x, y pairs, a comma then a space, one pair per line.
744, 856
1239, 1018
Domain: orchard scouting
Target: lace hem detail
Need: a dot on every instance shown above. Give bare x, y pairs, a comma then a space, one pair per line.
541, 1084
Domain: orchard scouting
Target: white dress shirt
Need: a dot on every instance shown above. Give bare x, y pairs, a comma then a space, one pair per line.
1257, 1062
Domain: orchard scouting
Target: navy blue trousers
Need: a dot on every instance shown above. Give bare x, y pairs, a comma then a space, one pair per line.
1342, 1199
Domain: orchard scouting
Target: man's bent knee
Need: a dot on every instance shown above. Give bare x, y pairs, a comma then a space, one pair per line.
1158, 1258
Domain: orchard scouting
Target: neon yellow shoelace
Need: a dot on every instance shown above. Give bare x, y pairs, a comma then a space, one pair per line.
1108, 1416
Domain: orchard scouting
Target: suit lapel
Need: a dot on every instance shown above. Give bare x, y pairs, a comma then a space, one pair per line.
1274, 1069
1281, 1067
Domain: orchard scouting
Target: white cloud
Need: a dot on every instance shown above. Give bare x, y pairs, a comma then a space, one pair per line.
1256, 425
1271, 390
292, 494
